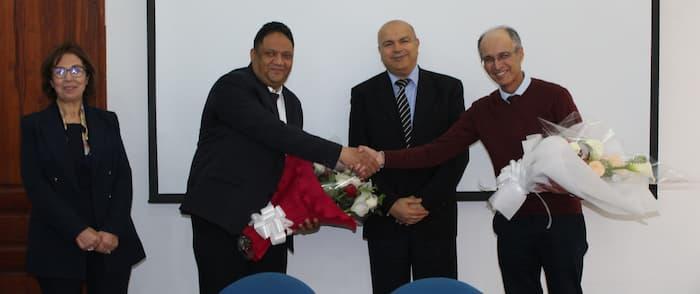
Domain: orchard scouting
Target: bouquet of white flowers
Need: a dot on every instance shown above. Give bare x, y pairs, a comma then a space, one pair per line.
586, 161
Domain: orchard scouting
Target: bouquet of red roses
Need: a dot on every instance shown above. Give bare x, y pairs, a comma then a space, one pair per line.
299, 196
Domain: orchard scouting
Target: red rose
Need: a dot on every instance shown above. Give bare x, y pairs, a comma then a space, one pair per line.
350, 190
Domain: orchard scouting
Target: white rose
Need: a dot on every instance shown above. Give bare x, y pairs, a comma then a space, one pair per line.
342, 180
360, 207
595, 149
371, 202
364, 195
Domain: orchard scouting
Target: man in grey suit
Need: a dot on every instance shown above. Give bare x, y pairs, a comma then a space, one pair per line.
249, 123
401, 107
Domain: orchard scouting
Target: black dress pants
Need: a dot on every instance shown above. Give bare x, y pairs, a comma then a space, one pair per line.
526, 247
220, 263
392, 261
97, 281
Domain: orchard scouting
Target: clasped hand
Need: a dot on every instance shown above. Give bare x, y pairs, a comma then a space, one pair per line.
408, 210
363, 163
100, 241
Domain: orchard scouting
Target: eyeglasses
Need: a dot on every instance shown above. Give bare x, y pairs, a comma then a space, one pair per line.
75, 71
502, 56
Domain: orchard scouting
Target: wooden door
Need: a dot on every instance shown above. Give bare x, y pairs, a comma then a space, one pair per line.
29, 29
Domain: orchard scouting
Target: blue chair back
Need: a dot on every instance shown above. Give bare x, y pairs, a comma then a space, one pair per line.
268, 283
435, 286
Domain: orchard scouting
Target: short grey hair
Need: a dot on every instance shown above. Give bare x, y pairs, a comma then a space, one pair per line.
511, 32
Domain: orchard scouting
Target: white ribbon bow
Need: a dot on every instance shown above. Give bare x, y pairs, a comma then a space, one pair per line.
513, 181
511, 193
271, 223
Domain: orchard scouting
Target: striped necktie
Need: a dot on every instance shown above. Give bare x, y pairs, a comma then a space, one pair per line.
404, 111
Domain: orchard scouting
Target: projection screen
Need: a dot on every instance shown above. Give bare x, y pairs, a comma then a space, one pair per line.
602, 51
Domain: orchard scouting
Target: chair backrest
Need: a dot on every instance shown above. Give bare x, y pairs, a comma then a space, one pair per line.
436, 285
268, 283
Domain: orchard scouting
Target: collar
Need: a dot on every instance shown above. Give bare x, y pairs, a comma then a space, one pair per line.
412, 77
520, 90
278, 91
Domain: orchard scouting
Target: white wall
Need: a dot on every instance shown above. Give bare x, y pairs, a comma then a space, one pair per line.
624, 257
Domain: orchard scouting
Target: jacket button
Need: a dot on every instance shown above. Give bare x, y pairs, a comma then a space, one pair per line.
109, 196
109, 172
55, 179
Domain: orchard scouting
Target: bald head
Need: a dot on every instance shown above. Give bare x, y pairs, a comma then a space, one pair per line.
394, 25
398, 47
501, 32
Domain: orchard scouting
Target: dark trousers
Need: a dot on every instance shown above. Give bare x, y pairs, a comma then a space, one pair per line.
393, 260
526, 246
97, 280
220, 263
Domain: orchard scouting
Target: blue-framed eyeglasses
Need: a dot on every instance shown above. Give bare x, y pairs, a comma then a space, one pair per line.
75, 71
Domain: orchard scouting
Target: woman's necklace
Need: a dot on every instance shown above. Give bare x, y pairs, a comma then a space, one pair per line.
83, 122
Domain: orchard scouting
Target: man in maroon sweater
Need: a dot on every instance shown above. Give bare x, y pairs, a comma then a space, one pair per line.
501, 120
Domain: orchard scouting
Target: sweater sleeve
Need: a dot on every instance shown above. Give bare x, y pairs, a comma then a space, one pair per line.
455, 141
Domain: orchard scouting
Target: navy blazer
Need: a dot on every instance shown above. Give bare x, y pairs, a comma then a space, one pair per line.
52, 188
375, 122
241, 149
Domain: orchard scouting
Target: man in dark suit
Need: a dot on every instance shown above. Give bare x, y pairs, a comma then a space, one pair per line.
250, 121
409, 106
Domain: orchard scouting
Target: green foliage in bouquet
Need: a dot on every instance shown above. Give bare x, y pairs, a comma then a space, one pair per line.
354, 196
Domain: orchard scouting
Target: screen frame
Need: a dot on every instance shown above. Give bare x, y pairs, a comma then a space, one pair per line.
156, 197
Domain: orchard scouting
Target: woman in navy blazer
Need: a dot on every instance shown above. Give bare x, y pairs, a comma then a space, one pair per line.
78, 180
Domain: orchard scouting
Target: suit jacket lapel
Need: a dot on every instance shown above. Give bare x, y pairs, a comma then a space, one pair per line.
263, 92
97, 132
387, 101
423, 107
292, 108
266, 100
96, 140
55, 135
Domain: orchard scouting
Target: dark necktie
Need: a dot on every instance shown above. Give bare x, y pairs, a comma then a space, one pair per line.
404, 111
513, 98
274, 97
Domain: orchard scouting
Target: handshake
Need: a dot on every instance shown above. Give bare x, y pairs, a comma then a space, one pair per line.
364, 161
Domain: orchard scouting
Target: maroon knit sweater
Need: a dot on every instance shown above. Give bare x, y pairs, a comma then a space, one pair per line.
501, 127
